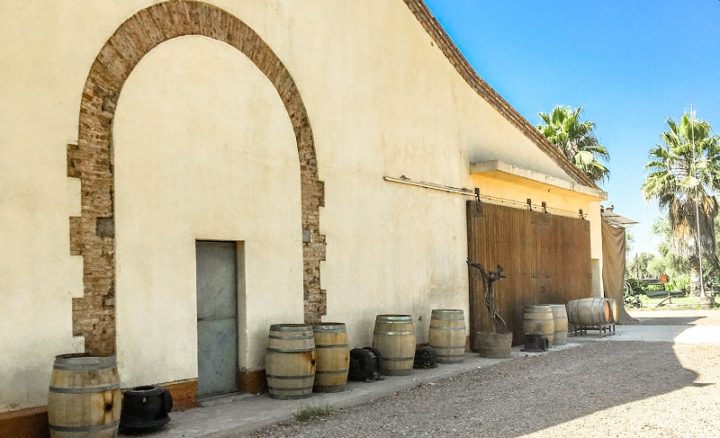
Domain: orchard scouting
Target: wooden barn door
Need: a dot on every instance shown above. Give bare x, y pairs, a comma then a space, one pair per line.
546, 259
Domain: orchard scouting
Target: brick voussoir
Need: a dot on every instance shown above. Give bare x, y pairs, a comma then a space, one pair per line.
90, 160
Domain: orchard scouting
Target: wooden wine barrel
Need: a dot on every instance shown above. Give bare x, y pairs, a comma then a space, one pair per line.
560, 322
394, 337
332, 357
538, 320
495, 345
84, 397
290, 361
588, 312
447, 335
613, 310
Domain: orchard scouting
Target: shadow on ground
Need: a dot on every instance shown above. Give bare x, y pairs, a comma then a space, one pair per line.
515, 398
673, 317
660, 320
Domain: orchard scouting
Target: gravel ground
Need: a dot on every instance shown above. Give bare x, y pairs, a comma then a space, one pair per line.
600, 389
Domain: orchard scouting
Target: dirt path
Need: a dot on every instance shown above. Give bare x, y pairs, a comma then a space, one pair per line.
600, 389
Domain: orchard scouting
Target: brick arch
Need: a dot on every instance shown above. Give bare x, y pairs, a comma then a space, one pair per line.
92, 234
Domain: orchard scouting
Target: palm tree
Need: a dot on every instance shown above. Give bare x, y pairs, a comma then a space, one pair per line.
685, 171
577, 140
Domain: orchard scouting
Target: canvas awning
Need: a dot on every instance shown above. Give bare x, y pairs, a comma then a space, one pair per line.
608, 214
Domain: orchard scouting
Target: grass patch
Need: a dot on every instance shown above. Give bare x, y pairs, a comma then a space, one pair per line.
310, 412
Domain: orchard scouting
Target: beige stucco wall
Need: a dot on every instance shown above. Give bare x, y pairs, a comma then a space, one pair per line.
204, 150
382, 100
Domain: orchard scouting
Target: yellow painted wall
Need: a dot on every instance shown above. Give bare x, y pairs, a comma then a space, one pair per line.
382, 100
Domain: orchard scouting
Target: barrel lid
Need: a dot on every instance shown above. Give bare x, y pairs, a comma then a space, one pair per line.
329, 327
84, 360
541, 307
447, 311
586, 300
392, 317
290, 327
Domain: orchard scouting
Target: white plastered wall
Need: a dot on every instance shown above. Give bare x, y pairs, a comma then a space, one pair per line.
382, 100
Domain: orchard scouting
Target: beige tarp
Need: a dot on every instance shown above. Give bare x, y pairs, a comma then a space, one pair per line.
613, 245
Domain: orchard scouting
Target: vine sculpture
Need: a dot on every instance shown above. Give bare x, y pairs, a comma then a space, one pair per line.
488, 278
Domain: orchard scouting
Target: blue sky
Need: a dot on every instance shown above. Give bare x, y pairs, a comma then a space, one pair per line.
630, 64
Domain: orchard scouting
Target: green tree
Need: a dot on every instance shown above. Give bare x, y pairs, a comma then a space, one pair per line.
683, 168
675, 264
577, 140
629, 243
638, 266
657, 267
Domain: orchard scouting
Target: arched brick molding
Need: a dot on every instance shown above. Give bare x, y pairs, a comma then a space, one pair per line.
92, 234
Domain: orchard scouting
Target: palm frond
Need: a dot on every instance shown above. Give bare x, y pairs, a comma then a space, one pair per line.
576, 139
684, 169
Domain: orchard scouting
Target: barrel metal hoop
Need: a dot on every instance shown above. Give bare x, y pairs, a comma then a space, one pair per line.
332, 346
450, 355
302, 388
94, 428
447, 347
82, 367
290, 338
447, 314
83, 361
343, 371
393, 318
84, 389
395, 322
393, 333
302, 376
398, 359
290, 350
329, 328
448, 328
290, 328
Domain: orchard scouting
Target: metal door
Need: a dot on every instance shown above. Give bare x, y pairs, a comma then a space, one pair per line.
216, 264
